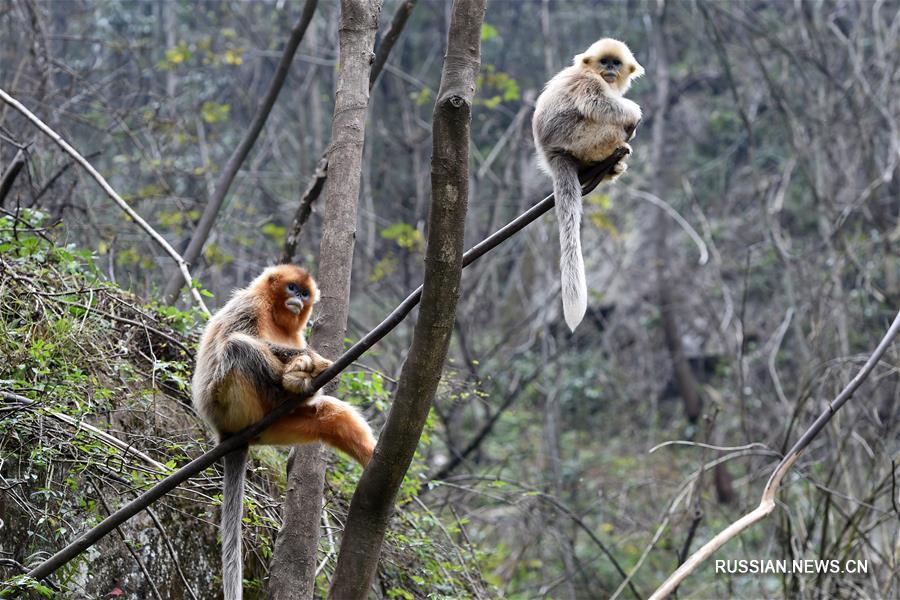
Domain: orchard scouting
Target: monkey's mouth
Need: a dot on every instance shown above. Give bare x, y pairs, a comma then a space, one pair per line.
609, 76
295, 305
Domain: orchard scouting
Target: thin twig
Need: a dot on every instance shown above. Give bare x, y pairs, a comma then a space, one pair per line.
160, 240
314, 187
9, 176
171, 549
665, 207
125, 543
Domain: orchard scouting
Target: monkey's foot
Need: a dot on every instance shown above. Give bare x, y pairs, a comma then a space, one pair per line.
303, 363
311, 362
320, 363
296, 381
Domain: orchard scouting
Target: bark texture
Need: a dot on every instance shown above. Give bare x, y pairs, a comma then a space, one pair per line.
294, 560
314, 188
373, 500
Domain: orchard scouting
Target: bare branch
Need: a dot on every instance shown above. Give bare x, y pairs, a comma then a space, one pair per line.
314, 188
9, 176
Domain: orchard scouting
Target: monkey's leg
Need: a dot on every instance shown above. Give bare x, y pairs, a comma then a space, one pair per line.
328, 420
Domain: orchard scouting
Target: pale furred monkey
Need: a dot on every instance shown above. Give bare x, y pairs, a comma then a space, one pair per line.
581, 117
252, 353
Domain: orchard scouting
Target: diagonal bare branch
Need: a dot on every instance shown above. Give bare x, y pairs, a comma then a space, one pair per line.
767, 503
81, 160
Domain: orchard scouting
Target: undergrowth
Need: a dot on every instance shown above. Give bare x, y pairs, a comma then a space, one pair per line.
94, 383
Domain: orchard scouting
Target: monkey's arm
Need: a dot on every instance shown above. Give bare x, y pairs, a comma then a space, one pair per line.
606, 109
273, 365
285, 353
252, 358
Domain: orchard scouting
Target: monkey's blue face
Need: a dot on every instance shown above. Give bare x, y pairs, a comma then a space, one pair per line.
609, 68
297, 297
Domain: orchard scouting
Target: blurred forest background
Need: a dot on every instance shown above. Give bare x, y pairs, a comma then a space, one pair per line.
770, 132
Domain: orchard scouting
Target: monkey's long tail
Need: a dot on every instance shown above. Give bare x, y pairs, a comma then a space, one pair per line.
567, 191
232, 513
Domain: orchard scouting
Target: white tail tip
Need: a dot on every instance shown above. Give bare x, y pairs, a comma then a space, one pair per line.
574, 307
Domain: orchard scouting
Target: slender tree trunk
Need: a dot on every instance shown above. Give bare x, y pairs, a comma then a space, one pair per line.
237, 158
685, 381
373, 501
294, 560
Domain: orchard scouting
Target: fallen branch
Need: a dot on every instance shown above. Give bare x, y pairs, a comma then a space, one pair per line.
767, 503
590, 178
113, 442
160, 240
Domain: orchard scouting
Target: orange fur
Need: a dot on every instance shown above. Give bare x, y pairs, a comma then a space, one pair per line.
278, 324
231, 402
327, 419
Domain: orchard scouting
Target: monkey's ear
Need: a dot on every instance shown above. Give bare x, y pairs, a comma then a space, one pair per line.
636, 70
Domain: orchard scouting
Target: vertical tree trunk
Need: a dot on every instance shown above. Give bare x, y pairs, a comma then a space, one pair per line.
294, 560
373, 501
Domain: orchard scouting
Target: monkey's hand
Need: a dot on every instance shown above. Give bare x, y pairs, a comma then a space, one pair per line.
617, 170
299, 373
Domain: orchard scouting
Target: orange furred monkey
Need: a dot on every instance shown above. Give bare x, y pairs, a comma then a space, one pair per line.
252, 354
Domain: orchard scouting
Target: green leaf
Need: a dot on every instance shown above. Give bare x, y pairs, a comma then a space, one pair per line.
488, 32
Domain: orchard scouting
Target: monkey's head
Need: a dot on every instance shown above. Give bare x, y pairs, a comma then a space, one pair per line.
612, 61
290, 293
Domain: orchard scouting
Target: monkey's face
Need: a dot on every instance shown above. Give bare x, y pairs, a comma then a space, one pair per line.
298, 295
609, 67
292, 292
613, 62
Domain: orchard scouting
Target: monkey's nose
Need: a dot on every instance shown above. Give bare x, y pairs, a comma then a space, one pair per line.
295, 305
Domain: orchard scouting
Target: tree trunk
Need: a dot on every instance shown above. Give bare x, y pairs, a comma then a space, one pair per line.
294, 559
685, 381
373, 501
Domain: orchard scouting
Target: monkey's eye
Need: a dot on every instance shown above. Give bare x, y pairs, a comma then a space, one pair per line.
293, 288
616, 62
304, 293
